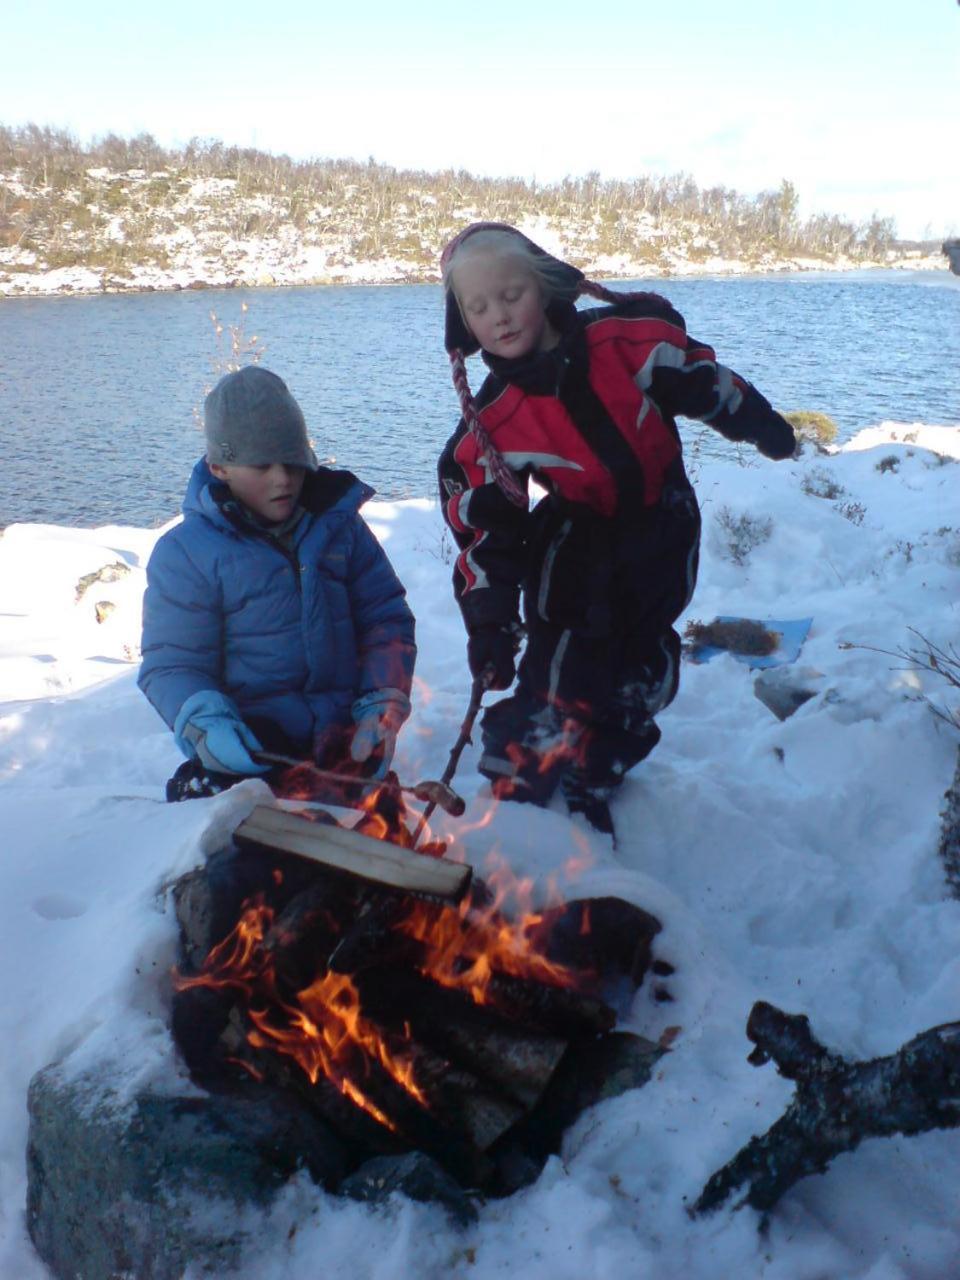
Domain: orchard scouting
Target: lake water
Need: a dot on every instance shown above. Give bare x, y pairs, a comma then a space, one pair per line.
99, 396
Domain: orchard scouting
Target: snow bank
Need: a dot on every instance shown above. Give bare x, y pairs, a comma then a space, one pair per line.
790, 861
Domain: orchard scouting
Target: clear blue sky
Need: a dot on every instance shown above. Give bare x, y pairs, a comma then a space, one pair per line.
857, 102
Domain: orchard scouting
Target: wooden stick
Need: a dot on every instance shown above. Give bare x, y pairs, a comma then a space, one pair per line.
344, 850
477, 690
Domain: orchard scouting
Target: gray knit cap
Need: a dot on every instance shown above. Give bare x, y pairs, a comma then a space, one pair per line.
251, 420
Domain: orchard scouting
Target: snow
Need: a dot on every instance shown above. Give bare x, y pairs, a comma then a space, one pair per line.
791, 861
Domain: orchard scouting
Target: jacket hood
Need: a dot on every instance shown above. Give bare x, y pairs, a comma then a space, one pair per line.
324, 491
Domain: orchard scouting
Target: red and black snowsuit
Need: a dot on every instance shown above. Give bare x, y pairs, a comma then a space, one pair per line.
607, 559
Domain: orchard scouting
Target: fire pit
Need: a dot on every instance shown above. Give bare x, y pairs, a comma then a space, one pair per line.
355, 1024
404, 1021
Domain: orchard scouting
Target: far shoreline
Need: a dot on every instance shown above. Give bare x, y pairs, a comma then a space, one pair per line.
41, 286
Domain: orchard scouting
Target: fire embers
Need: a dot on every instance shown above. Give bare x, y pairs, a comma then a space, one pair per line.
405, 1024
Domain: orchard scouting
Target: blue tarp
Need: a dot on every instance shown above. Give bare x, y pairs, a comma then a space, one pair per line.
792, 632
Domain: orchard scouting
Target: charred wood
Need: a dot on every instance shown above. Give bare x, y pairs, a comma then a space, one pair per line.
239, 1062
603, 936
837, 1104
538, 1006
461, 1102
555, 1010
591, 1072
514, 1060
305, 932
199, 1016
460, 1120
370, 940
207, 902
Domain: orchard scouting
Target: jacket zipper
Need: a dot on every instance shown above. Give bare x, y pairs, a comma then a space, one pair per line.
548, 559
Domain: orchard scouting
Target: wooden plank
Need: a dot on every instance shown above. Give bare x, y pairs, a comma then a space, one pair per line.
344, 850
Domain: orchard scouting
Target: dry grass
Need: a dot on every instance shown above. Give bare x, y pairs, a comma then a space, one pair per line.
740, 636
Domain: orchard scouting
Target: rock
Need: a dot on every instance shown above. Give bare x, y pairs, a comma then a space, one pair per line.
155, 1184
784, 689
414, 1175
103, 609
951, 249
108, 573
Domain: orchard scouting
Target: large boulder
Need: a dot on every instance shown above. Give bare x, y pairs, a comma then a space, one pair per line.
143, 1185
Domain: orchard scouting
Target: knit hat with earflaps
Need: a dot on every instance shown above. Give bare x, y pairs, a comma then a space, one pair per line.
567, 283
250, 419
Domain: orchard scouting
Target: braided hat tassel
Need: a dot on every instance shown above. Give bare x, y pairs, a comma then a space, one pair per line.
501, 472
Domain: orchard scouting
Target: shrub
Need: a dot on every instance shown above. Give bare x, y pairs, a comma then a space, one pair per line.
820, 484
852, 511
809, 424
927, 656
741, 534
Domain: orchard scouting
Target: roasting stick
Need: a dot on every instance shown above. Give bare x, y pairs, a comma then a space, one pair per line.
477, 690
428, 791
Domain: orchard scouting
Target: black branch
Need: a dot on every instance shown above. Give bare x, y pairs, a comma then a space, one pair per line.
837, 1104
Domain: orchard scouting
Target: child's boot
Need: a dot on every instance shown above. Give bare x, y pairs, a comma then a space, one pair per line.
589, 798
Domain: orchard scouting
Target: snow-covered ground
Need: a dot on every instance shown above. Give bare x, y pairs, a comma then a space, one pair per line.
790, 861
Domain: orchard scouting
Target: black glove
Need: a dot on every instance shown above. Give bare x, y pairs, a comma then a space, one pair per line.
491, 654
757, 421
776, 439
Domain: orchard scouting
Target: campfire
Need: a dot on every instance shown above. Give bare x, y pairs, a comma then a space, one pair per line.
409, 1003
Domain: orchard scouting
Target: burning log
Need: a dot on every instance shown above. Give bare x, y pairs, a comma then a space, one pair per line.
559, 1010
348, 851
208, 901
448, 1113
603, 936
252, 1059
371, 938
460, 1100
837, 1104
515, 1060
305, 932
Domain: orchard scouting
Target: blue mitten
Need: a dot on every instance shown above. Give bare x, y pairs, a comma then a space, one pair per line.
378, 716
209, 728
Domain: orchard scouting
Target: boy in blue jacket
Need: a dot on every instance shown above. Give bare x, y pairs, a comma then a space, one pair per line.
272, 618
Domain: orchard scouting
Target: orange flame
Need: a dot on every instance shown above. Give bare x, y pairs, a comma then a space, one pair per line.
323, 1027
324, 1032
565, 748
467, 946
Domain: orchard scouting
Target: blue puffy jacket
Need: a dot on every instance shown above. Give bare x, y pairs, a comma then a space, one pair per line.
293, 633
